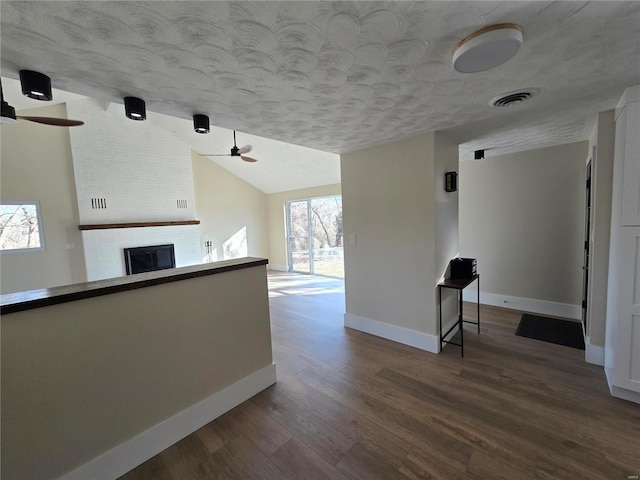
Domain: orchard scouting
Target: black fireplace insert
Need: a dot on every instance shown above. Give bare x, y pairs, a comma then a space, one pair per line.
148, 259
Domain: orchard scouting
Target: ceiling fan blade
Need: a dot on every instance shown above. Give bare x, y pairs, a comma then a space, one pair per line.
245, 149
248, 159
215, 154
56, 122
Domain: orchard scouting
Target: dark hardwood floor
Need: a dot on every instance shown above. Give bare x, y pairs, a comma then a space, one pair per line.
348, 405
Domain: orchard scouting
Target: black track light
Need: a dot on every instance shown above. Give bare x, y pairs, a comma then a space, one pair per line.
201, 123
135, 108
36, 85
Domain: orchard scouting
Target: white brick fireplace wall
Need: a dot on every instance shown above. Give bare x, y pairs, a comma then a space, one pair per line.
107, 247
128, 171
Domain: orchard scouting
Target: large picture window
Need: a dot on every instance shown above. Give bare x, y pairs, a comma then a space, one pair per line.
20, 226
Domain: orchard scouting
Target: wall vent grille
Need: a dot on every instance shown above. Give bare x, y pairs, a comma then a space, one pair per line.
98, 203
182, 204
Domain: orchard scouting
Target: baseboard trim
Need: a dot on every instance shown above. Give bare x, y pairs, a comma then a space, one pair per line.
594, 353
406, 336
279, 268
128, 455
543, 307
625, 394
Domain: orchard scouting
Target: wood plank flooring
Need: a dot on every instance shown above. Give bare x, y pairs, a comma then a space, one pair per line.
349, 405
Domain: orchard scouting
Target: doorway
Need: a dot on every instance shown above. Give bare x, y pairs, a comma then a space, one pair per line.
587, 244
314, 233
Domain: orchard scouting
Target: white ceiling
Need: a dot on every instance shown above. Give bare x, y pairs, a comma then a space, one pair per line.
333, 76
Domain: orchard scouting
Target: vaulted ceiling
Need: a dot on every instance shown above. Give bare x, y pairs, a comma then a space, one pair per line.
336, 76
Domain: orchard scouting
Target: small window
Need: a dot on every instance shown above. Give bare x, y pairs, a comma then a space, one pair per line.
20, 226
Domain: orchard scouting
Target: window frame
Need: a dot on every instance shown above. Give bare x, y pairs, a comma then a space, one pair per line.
36, 203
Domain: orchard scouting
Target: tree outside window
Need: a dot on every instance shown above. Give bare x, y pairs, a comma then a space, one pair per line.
20, 226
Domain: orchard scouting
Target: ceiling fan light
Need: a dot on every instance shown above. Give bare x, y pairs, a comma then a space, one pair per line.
201, 123
487, 48
36, 85
135, 108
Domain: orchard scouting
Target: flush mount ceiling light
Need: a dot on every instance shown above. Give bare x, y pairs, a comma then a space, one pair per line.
201, 123
35, 85
487, 48
134, 108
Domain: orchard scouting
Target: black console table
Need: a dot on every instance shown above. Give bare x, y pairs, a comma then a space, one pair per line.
458, 284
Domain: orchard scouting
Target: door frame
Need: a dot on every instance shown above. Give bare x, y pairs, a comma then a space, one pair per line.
587, 243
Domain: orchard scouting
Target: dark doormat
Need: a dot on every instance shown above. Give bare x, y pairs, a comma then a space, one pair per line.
552, 330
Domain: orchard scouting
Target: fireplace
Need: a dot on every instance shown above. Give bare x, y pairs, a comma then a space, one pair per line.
148, 259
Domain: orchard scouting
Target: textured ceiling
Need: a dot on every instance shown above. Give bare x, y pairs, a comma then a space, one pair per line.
336, 76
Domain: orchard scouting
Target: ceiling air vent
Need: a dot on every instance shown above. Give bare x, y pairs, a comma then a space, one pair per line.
511, 98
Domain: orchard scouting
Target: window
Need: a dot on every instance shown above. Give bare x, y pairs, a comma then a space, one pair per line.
20, 226
315, 236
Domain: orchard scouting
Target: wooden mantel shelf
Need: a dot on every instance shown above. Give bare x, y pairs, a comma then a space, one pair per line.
103, 226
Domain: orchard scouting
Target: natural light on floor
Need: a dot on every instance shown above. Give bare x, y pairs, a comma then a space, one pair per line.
300, 284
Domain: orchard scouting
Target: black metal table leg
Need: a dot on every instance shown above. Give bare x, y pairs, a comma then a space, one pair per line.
459, 285
460, 321
478, 301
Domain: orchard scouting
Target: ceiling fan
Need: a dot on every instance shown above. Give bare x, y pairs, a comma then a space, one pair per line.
235, 152
8, 115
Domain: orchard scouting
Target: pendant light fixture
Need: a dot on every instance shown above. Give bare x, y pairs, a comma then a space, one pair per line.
36, 85
201, 123
487, 48
134, 108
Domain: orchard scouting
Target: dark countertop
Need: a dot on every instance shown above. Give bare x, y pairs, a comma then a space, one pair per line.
19, 301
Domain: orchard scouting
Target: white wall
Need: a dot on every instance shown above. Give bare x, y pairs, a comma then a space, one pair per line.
278, 257
143, 174
522, 217
104, 383
37, 165
389, 203
446, 206
139, 169
233, 214
601, 146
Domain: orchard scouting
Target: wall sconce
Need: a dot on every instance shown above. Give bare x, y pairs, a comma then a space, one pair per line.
135, 108
450, 181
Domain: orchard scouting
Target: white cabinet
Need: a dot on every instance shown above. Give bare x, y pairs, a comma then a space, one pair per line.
626, 367
631, 180
622, 345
